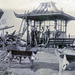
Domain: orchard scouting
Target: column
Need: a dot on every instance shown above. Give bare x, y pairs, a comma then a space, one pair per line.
39, 25
65, 29
55, 32
61, 25
55, 24
39, 30
27, 33
30, 33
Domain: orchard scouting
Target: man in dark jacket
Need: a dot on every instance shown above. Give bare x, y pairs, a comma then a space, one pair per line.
33, 36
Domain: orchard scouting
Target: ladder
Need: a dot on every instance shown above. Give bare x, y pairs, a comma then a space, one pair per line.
25, 24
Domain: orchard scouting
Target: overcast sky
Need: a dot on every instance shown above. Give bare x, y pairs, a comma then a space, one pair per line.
28, 4
14, 5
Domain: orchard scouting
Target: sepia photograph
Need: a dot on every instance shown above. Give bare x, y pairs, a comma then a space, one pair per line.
37, 37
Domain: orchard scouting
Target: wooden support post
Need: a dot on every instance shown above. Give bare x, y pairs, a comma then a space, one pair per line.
30, 35
65, 28
39, 30
34, 33
55, 30
39, 25
27, 32
56, 24
20, 60
61, 24
44, 34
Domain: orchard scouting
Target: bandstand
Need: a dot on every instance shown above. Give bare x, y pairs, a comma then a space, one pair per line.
47, 14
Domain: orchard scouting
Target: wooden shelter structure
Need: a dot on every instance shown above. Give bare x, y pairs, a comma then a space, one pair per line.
48, 15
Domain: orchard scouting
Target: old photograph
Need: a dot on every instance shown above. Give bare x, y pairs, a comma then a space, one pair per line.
37, 37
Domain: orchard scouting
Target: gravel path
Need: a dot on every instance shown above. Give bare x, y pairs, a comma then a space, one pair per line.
47, 64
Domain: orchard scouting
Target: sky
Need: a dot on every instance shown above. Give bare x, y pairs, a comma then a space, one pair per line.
30, 4
19, 6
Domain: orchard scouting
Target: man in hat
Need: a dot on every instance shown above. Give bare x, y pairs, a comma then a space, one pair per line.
33, 36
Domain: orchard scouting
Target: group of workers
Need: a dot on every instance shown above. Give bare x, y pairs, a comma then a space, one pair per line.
35, 36
46, 34
38, 37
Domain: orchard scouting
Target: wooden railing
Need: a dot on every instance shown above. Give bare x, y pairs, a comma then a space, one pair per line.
61, 41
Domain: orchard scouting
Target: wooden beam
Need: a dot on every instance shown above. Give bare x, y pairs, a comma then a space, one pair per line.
27, 31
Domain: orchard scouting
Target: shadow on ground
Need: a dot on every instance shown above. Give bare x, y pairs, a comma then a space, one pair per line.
71, 66
37, 66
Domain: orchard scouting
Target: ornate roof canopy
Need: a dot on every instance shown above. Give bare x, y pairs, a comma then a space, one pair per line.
46, 11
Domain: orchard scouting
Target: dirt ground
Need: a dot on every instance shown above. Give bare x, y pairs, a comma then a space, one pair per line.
47, 64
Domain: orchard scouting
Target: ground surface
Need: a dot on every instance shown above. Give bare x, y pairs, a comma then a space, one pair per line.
47, 64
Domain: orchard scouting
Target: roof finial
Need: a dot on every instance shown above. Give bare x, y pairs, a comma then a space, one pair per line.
61, 9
